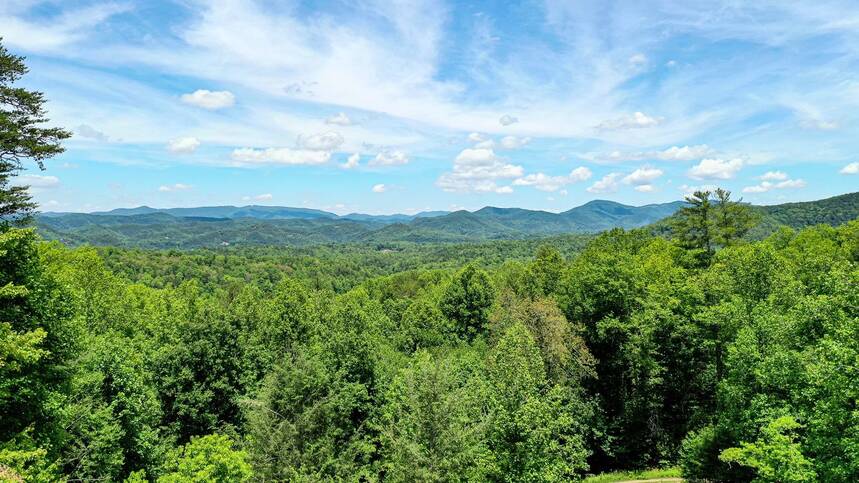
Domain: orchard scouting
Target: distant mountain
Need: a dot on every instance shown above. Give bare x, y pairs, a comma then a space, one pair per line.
269, 225
250, 211
260, 212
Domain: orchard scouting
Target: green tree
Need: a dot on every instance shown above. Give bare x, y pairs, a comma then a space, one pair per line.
22, 136
732, 220
466, 301
538, 429
208, 459
435, 421
775, 455
547, 267
38, 340
707, 223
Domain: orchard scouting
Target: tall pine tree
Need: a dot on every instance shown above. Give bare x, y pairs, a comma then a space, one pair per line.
22, 137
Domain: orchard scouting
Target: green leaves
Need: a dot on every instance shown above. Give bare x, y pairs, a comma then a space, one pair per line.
775, 455
466, 301
208, 459
22, 137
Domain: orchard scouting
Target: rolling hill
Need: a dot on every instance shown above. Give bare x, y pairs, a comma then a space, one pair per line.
279, 226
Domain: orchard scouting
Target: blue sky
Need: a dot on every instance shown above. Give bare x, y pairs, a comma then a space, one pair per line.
402, 106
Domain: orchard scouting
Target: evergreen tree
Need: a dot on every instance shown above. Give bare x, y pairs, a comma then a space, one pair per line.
22, 136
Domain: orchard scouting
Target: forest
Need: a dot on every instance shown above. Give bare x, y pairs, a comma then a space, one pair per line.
689, 346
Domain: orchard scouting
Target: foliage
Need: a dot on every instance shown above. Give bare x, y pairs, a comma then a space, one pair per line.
22, 137
208, 458
621, 476
775, 456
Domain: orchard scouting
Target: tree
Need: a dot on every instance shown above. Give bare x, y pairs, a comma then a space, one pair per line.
208, 459
466, 301
693, 226
732, 219
776, 456
548, 265
37, 340
434, 421
707, 224
22, 114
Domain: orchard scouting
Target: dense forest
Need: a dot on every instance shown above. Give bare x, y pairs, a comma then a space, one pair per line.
530, 360
635, 351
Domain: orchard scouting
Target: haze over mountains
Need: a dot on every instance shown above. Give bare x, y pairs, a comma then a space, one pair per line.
275, 225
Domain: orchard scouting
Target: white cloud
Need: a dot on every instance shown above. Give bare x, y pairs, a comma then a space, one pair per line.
638, 59
636, 120
183, 145
852, 168
684, 153
379, 188
340, 119
60, 31
673, 153
37, 181
352, 161
765, 186
608, 184
262, 197
507, 120
773, 176
326, 141
513, 142
487, 144
390, 158
476, 170
544, 182
285, 156
645, 188
89, 132
476, 137
714, 168
643, 176
174, 187
211, 100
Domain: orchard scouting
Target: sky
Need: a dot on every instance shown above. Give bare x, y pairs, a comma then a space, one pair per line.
385, 106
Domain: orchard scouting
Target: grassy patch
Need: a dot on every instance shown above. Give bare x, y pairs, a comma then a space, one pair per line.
634, 475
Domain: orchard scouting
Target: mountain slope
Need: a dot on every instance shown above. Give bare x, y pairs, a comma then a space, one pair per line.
830, 211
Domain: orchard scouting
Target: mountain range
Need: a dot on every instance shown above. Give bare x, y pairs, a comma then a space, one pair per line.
213, 226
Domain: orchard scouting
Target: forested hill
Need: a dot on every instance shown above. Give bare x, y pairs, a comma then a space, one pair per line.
147, 227
830, 211
202, 227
